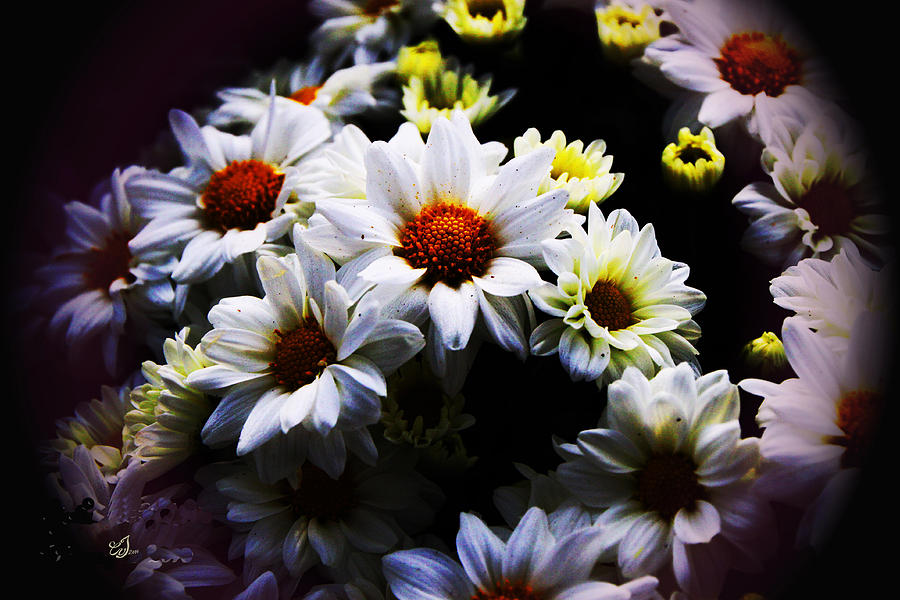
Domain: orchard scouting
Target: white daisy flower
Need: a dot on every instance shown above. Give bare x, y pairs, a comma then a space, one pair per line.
97, 426
617, 302
235, 194
455, 240
583, 172
167, 416
671, 471
829, 296
819, 198
100, 282
535, 563
309, 353
311, 518
342, 94
820, 425
744, 60
365, 30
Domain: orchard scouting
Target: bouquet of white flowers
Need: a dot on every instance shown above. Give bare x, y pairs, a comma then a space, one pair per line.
471, 299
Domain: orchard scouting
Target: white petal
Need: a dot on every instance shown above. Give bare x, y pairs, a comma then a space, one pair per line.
508, 277
699, 525
453, 312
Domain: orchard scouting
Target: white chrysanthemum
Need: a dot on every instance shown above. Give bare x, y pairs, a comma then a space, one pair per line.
617, 302
583, 172
819, 198
820, 425
743, 59
234, 195
97, 427
450, 88
455, 237
311, 518
342, 94
829, 296
366, 30
670, 469
164, 425
99, 281
536, 563
311, 353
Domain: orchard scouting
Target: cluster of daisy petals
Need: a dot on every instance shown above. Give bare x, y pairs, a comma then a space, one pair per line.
314, 301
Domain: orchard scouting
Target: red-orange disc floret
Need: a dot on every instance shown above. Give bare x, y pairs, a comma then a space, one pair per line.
306, 95
859, 414
242, 195
453, 242
754, 62
105, 265
508, 591
301, 354
373, 8
608, 306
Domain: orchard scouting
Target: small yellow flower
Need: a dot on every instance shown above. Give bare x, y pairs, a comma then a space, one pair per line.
426, 99
766, 353
625, 30
481, 21
423, 60
583, 172
694, 164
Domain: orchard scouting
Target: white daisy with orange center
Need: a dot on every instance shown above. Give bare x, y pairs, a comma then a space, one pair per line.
339, 95
455, 237
538, 561
98, 280
312, 353
820, 427
669, 470
235, 194
616, 301
740, 58
820, 198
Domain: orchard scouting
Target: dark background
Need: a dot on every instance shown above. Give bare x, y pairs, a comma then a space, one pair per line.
91, 86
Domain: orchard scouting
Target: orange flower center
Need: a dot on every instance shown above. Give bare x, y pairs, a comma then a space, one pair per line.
374, 8
306, 95
242, 195
301, 354
321, 497
507, 591
859, 414
830, 206
109, 263
669, 483
755, 62
608, 306
452, 242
